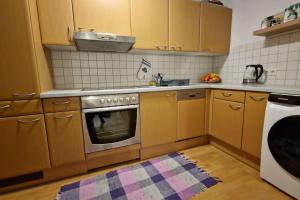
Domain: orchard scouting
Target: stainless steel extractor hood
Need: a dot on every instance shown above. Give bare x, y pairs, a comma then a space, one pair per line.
103, 42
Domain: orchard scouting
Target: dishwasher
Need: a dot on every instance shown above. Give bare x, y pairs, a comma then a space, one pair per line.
191, 113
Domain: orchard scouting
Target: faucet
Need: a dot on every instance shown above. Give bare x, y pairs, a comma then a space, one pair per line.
158, 78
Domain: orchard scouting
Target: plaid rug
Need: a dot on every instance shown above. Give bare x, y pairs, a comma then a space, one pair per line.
168, 177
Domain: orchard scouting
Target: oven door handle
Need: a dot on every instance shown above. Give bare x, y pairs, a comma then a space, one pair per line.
106, 109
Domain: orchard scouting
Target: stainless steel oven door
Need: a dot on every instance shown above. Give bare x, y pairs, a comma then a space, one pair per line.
110, 127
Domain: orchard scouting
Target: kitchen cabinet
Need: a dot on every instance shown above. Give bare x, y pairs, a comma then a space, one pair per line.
215, 28
56, 21
191, 118
65, 137
151, 30
184, 25
158, 118
24, 70
52, 105
105, 16
21, 107
255, 105
23, 145
227, 121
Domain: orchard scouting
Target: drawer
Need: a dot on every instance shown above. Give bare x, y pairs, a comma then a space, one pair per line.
61, 104
230, 95
22, 107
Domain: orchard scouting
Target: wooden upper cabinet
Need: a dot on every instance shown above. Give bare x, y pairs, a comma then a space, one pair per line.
56, 21
227, 121
23, 145
107, 16
158, 118
215, 28
150, 23
184, 25
191, 118
18, 65
65, 137
255, 106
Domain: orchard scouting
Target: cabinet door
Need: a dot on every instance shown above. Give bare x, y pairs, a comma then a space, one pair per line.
191, 118
18, 71
215, 28
184, 25
227, 121
56, 21
253, 122
65, 137
23, 145
151, 30
107, 16
158, 118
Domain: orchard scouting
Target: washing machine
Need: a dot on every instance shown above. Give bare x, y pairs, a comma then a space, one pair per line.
280, 156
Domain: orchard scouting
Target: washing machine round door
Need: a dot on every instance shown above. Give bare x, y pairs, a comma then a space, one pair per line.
284, 144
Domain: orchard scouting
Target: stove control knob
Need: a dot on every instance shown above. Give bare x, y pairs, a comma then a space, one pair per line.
133, 99
109, 100
115, 100
102, 101
127, 99
121, 99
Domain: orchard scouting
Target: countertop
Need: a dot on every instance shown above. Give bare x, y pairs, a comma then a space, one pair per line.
141, 89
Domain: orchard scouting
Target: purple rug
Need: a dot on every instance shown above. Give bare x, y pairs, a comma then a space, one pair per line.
168, 177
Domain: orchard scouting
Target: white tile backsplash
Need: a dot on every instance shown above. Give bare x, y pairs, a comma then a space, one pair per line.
281, 53
97, 70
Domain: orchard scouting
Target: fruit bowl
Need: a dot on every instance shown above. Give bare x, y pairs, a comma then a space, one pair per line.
211, 78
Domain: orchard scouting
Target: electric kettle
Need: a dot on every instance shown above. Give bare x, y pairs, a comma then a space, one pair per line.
253, 73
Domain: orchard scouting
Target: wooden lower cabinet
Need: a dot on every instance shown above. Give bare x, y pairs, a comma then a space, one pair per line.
255, 106
158, 118
23, 145
191, 119
65, 137
227, 121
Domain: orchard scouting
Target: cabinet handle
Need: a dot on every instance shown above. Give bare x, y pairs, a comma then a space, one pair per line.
85, 28
70, 34
160, 47
5, 107
179, 48
24, 95
64, 117
29, 121
227, 94
173, 48
257, 98
233, 107
61, 103
157, 47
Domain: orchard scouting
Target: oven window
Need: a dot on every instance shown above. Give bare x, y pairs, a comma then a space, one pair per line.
284, 144
111, 126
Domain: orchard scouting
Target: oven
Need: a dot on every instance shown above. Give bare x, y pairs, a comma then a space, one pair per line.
110, 121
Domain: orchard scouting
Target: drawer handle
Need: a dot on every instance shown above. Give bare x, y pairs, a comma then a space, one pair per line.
227, 94
62, 103
64, 117
257, 98
233, 107
5, 107
70, 34
81, 29
29, 121
24, 95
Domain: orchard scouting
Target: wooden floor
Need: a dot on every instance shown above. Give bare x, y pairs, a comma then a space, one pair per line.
239, 180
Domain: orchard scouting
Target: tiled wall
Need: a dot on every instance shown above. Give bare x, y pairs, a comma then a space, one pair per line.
98, 70
281, 53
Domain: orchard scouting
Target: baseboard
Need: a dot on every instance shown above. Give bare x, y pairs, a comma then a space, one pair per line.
150, 152
236, 153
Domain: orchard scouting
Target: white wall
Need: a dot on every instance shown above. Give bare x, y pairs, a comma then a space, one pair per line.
248, 14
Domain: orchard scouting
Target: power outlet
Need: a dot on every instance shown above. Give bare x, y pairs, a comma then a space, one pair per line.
272, 72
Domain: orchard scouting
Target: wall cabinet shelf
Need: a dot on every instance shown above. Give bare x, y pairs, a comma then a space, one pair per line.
281, 28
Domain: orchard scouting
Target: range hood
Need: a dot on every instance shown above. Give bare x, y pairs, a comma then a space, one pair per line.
102, 42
